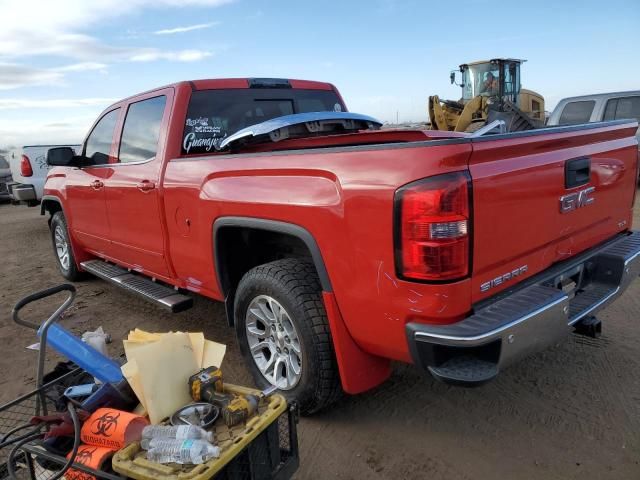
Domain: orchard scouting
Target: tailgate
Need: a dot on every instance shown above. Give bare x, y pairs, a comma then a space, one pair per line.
543, 196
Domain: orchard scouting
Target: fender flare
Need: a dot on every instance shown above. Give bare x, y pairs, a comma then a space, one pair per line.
49, 198
271, 226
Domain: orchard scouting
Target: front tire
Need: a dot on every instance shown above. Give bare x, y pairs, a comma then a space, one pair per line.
62, 248
284, 335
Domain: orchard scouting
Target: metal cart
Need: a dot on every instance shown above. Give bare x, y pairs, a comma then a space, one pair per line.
27, 447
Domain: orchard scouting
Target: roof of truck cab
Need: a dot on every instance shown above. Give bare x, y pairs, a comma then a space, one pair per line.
224, 83
208, 84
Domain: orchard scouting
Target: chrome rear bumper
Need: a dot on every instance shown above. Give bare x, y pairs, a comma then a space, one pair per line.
538, 315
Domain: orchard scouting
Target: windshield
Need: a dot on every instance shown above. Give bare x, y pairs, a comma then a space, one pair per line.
480, 79
216, 114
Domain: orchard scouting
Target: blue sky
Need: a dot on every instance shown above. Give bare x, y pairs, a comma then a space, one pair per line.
63, 61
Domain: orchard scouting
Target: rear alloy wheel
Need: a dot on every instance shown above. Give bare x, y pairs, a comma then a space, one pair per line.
273, 342
284, 335
62, 248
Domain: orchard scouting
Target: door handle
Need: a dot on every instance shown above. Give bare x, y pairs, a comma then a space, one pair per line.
146, 185
97, 184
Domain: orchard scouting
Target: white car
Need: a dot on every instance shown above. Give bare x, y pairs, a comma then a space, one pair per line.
29, 170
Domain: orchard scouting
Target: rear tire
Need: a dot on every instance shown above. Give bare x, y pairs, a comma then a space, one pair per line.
62, 248
284, 335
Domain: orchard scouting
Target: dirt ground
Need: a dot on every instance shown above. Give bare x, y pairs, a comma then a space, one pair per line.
570, 412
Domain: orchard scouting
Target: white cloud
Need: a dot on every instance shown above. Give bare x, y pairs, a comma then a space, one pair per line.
15, 76
62, 31
151, 55
82, 67
63, 129
59, 29
23, 103
189, 28
64, 23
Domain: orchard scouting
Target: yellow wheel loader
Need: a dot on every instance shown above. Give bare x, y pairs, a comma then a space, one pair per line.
490, 91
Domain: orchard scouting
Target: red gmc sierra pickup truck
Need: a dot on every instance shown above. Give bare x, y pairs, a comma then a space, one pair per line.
338, 246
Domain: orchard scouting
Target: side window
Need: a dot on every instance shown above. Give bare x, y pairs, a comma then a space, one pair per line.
100, 139
577, 112
628, 107
141, 130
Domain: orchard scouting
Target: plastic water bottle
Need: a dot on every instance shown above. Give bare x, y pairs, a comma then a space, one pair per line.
162, 450
179, 432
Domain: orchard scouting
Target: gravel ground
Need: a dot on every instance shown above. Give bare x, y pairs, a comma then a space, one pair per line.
570, 412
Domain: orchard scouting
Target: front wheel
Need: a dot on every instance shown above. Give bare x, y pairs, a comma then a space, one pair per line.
284, 335
62, 248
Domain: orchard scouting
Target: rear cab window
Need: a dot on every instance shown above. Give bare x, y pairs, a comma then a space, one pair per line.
215, 114
577, 112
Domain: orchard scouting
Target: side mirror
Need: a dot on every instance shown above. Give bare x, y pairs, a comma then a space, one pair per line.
61, 157
452, 77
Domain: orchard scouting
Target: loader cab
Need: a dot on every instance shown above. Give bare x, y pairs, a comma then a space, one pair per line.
497, 78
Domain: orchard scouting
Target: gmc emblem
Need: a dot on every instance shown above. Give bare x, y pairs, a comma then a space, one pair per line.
576, 200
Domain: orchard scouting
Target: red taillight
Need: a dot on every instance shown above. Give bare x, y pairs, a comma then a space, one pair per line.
432, 228
25, 167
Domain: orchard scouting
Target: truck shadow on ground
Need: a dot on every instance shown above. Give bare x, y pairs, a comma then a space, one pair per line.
540, 416
542, 389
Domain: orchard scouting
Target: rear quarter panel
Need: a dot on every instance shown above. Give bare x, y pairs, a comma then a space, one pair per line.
344, 198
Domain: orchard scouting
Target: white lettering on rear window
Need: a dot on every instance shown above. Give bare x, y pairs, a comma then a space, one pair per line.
190, 141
